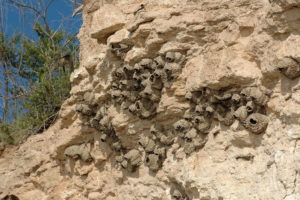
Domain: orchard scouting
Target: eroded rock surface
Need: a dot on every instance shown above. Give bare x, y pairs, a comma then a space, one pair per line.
173, 100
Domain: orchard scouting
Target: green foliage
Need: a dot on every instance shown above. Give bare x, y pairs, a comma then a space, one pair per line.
9, 56
42, 56
6, 134
44, 77
49, 84
13, 133
8, 49
45, 100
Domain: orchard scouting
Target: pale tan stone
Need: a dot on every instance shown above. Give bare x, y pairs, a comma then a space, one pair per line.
224, 45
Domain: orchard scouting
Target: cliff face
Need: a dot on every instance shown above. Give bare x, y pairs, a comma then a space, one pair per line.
180, 99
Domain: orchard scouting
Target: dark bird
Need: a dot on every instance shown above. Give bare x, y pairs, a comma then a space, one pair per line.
66, 61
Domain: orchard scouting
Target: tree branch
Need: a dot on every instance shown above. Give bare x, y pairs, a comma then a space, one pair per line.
36, 11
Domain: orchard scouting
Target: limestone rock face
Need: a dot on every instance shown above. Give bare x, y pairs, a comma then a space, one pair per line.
181, 99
